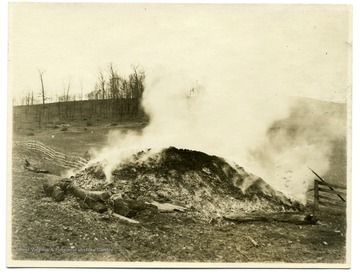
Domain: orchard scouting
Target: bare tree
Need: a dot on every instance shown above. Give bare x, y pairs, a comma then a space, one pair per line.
95, 94
27, 102
80, 96
114, 84
28, 99
114, 81
104, 106
136, 81
43, 96
102, 83
67, 92
66, 99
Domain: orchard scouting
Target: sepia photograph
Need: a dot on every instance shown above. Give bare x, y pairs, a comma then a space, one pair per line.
179, 135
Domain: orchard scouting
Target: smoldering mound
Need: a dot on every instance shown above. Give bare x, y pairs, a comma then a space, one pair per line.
207, 185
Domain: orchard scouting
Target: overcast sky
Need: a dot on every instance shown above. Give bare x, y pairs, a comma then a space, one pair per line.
284, 50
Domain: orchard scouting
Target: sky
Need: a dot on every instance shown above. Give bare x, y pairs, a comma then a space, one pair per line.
280, 50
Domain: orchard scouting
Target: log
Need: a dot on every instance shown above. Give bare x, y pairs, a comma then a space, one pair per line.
288, 217
101, 196
96, 200
295, 218
58, 194
56, 189
129, 207
242, 218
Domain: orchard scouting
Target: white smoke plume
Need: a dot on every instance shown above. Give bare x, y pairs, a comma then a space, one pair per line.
303, 140
221, 118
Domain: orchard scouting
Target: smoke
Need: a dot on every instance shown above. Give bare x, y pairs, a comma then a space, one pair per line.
271, 135
304, 139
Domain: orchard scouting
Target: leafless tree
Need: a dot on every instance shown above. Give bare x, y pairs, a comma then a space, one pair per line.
28, 99
67, 92
102, 83
114, 89
136, 81
80, 97
114, 81
67, 99
43, 96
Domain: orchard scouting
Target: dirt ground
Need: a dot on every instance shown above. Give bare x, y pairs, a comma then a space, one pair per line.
46, 230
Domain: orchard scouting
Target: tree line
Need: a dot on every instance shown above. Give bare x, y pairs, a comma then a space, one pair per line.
114, 96
122, 94
113, 93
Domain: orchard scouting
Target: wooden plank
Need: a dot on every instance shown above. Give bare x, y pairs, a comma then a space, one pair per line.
330, 191
327, 203
331, 185
326, 198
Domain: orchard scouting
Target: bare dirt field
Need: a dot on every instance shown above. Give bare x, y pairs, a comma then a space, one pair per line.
46, 230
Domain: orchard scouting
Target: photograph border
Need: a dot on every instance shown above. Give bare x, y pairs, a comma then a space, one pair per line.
103, 264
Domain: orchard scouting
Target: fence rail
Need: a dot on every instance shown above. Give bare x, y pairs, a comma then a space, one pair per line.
62, 159
324, 183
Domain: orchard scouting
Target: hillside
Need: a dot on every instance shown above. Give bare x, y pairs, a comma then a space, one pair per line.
39, 117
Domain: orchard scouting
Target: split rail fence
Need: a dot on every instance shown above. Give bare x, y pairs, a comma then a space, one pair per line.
62, 159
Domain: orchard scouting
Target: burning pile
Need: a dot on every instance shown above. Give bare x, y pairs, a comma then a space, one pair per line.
205, 185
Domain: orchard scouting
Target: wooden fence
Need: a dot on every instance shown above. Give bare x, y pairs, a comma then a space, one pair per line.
326, 194
61, 159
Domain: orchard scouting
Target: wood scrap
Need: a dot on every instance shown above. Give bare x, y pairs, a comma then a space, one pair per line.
166, 207
123, 218
253, 241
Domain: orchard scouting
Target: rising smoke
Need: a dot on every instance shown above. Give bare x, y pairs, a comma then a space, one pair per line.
275, 137
305, 139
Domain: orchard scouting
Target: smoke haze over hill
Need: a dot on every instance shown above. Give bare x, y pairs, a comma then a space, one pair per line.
277, 138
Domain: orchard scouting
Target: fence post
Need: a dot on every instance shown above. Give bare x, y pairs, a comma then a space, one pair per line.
316, 196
